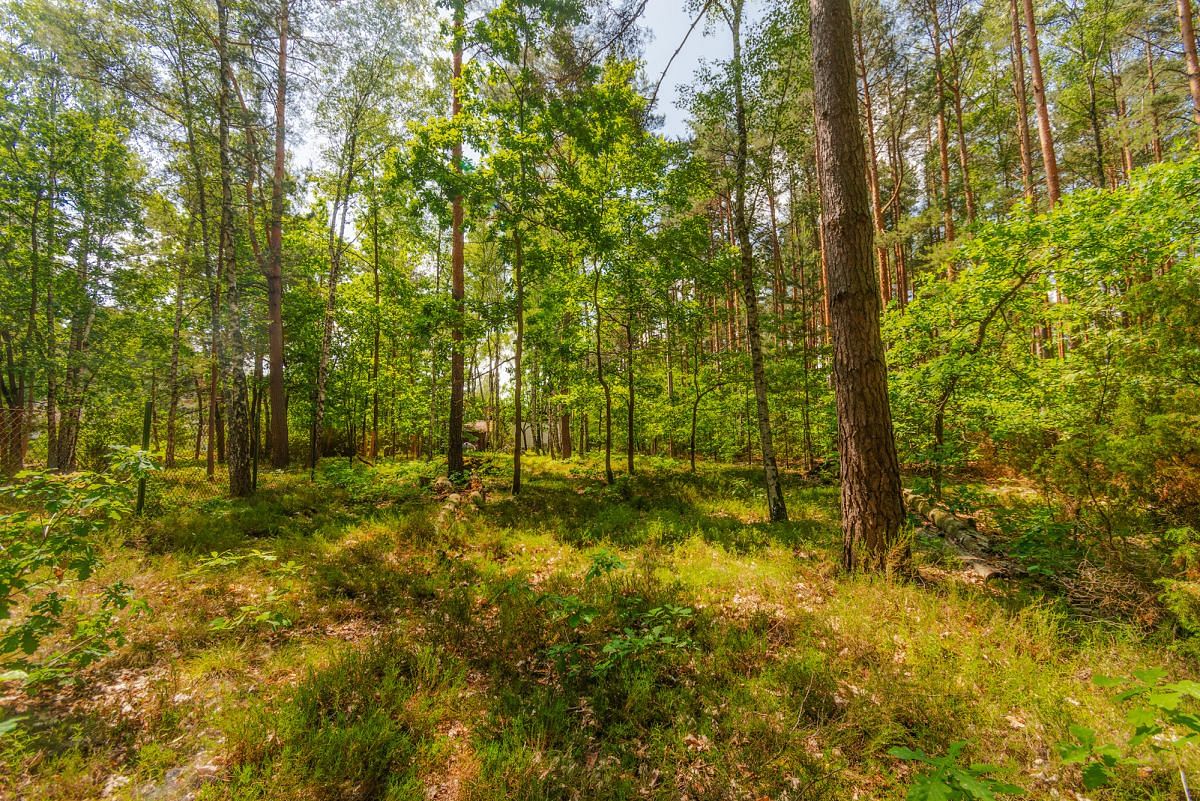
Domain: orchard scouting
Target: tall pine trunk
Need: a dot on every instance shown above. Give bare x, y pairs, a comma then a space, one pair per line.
457, 280
943, 136
1045, 134
881, 257
872, 511
275, 388
1188, 33
1018, 68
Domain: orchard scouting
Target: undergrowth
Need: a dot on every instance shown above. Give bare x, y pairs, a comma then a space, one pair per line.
656, 639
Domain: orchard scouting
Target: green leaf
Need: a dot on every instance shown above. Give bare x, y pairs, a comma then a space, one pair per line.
929, 789
9, 725
1150, 675
908, 754
1083, 734
1095, 774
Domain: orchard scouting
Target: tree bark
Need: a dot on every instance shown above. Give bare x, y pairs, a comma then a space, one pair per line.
776, 507
211, 272
943, 136
964, 157
518, 352
337, 236
275, 388
1188, 33
1152, 86
1018, 67
872, 510
457, 280
1045, 134
885, 284
375, 339
629, 435
236, 412
608, 471
173, 375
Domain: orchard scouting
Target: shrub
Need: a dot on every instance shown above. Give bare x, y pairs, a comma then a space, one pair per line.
49, 543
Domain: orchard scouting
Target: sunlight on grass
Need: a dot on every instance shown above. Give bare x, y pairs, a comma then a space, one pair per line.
522, 650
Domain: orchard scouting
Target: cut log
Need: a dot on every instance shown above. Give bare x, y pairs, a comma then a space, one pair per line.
969, 544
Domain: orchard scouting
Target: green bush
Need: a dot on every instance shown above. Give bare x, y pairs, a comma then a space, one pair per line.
50, 547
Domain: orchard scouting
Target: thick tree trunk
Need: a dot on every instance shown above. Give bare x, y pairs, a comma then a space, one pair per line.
776, 507
872, 511
275, 388
964, 156
73, 388
1122, 113
1045, 134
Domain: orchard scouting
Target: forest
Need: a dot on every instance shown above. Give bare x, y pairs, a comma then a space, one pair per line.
493, 399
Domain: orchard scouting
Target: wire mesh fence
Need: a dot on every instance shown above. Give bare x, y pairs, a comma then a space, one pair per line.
187, 485
13, 440
186, 475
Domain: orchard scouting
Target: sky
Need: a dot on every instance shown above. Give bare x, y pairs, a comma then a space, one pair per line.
668, 23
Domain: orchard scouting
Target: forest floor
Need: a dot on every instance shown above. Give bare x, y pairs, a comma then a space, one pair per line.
353, 638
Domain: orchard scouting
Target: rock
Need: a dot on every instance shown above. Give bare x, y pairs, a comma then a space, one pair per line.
442, 484
454, 498
477, 498
182, 783
115, 782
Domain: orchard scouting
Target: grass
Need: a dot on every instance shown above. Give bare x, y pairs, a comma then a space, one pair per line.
654, 639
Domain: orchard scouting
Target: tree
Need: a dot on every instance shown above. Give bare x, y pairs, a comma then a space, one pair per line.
776, 507
457, 279
233, 351
1042, 106
872, 511
274, 273
1190, 60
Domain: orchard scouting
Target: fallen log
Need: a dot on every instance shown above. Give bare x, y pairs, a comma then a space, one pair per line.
969, 544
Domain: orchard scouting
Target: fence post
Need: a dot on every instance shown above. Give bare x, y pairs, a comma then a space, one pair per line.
147, 415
